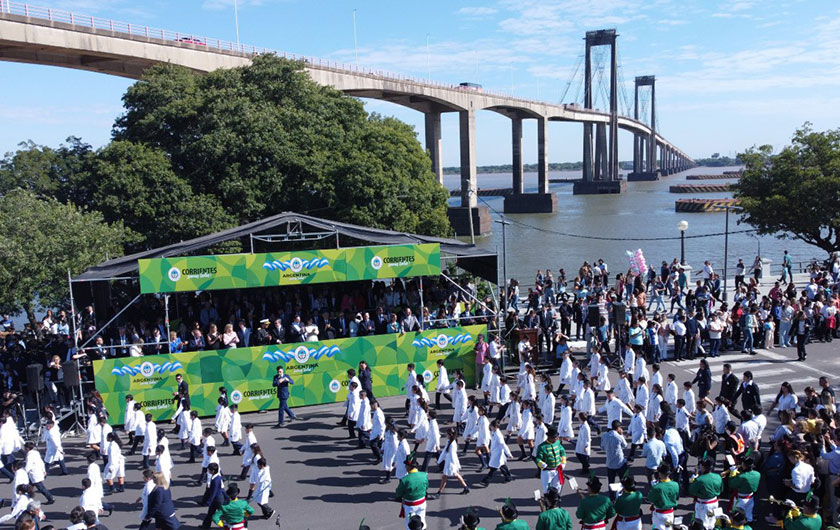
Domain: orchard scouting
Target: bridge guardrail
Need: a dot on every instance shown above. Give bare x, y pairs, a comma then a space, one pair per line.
180, 39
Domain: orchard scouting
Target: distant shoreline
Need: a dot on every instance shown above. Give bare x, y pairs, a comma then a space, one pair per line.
577, 166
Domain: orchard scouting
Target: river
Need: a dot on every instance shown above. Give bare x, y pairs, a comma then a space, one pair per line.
646, 210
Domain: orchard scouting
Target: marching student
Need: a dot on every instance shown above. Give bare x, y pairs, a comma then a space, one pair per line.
451, 464
623, 389
705, 489
526, 431
654, 409
390, 442
401, 454
36, 470
194, 431
248, 453
548, 403
471, 423
91, 499
263, 490
602, 381
115, 468
642, 394
223, 419
183, 421
565, 376
150, 437
235, 433
637, 430
504, 398
444, 387
365, 421
353, 404
583, 446
493, 397
411, 492
206, 455
55, 451
499, 453
232, 515
514, 415
163, 462
103, 429
351, 378
377, 430
148, 486
410, 381
431, 440
94, 474
550, 458
253, 479
671, 390
565, 429
139, 428
21, 476
594, 509
585, 401
482, 438
690, 399
614, 408
459, 405
214, 493
128, 426
21, 503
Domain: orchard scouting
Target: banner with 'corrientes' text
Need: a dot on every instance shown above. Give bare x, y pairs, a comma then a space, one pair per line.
318, 368
237, 271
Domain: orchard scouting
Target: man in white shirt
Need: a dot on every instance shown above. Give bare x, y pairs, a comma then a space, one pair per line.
679, 331
194, 436
614, 408
37, 471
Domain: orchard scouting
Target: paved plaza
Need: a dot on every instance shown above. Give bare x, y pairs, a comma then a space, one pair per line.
323, 481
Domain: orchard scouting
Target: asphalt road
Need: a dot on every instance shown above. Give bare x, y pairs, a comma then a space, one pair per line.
323, 481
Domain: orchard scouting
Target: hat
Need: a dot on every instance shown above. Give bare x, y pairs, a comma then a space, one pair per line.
628, 483
415, 523
551, 432
471, 518
264, 321
594, 484
508, 510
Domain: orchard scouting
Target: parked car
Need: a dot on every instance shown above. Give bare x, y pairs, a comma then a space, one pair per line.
475, 87
192, 40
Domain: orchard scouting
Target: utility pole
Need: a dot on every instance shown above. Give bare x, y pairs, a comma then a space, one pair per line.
355, 40
236, 20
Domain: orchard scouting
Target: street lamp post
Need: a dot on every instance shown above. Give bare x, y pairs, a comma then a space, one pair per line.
682, 226
504, 222
725, 253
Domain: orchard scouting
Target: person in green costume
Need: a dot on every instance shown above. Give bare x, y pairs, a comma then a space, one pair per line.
744, 483
232, 515
551, 457
737, 521
411, 491
470, 520
705, 489
628, 506
554, 517
664, 497
510, 518
594, 509
806, 519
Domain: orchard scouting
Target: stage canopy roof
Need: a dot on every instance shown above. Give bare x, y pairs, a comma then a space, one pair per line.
294, 227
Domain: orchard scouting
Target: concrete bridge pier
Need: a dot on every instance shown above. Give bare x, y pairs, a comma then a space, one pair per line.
434, 144
459, 216
520, 202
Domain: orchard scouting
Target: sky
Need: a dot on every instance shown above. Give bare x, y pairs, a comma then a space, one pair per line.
729, 74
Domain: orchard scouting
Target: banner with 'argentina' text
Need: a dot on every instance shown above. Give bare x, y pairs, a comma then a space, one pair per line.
319, 371
237, 271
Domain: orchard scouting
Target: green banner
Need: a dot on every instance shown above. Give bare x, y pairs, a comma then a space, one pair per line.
236, 271
394, 261
319, 370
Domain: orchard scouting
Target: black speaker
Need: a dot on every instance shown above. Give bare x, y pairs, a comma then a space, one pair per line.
71, 374
593, 316
34, 379
619, 313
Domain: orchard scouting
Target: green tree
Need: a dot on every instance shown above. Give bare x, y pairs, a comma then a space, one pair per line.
135, 183
265, 139
49, 172
795, 193
43, 239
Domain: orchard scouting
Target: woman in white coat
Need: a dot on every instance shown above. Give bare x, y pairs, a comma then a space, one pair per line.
263, 490
150, 440
10, 440
55, 451
451, 465
116, 463
471, 422
547, 404
499, 454
400, 455
235, 431
389, 449
566, 377
514, 415
526, 430
482, 438
444, 386
565, 429
459, 403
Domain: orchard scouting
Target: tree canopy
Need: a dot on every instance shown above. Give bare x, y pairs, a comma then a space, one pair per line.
265, 138
795, 193
42, 240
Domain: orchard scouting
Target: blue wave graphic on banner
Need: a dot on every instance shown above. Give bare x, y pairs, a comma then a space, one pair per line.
441, 341
301, 354
152, 368
305, 264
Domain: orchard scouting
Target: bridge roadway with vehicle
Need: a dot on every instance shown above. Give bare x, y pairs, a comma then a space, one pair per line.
40, 35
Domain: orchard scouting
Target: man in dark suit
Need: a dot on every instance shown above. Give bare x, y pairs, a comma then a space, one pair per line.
366, 379
183, 392
214, 495
381, 321
342, 325
282, 382
123, 341
366, 327
547, 327
409, 322
748, 392
196, 342
263, 337
278, 332
729, 383
692, 335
